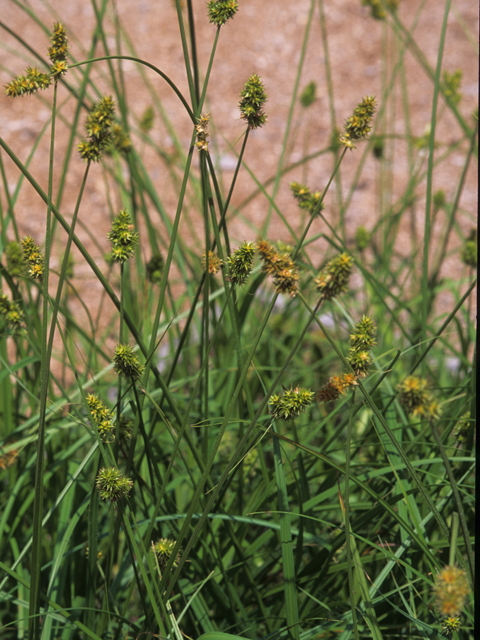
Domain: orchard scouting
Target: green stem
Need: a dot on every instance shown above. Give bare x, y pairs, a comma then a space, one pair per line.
346, 509
34, 630
426, 293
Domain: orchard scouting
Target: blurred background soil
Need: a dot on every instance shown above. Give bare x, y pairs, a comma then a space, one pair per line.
266, 38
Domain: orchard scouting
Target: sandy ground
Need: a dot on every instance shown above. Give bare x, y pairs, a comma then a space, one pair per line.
266, 38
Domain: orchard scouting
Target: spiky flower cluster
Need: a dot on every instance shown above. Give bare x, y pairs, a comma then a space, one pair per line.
155, 268
162, 550
125, 428
358, 125
291, 403
119, 140
308, 95
219, 11
451, 591
279, 265
11, 316
214, 262
98, 128
101, 417
146, 121
202, 132
35, 80
123, 237
333, 278
359, 357
112, 485
377, 8
451, 84
362, 238
361, 342
240, 263
33, 257
253, 97
15, 263
462, 428
414, 395
126, 363
469, 250
336, 386
308, 200
451, 625
58, 51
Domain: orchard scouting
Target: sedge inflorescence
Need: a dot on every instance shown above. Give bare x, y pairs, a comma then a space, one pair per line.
291, 403
202, 132
308, 95
307, 200
126, 363
240, 263
155, 268
33, 79
362, 340
163, 550
33, 258
451, 591
358, 125
212, 263
378, 8
58, 51
11, 316
14, 254
123, 238
418, 401
112, 485
333, 278
252, 99
98, 128
280, 266
219, 11
469, 250
102, 418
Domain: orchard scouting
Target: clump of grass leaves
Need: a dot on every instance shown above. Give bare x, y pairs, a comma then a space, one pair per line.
217, 435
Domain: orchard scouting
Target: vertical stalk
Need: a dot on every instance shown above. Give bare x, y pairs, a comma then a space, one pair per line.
34, 603
426, 293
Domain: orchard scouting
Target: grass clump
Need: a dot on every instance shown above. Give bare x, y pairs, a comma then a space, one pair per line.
282, 444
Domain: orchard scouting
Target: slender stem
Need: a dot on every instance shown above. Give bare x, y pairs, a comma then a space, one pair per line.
150, 66
350, 566
426, 293
34, 630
